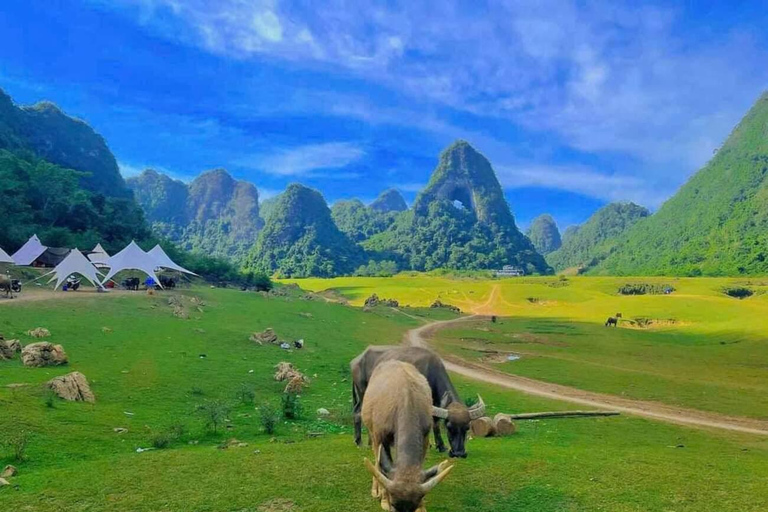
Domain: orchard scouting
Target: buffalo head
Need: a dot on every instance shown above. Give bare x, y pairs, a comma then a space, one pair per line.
457, 418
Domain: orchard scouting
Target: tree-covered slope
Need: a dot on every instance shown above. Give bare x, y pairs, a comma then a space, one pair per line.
544, 234
360, 222
58, 179
300, 239
215, 214
389, 201
595, 239
717, 223
461, 220
60, 139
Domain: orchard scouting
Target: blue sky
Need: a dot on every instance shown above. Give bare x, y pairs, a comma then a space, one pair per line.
575, 103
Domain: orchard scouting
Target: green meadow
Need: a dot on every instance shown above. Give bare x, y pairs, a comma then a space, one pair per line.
148, 376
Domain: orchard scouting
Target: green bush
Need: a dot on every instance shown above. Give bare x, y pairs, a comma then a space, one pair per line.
214, 413
646, 289
291, 406
738, 292
16, 443
269, 417
160, 440
246, 394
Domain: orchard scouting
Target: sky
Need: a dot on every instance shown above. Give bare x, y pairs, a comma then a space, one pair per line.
576, 104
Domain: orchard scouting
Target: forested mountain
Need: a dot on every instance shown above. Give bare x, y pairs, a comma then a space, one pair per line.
58, 179
300, 239
595, 239
544, 234
717, 223
360, 222
389, 201
461, 220
214, 214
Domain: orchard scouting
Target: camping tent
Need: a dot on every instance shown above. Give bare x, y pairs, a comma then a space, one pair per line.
35, 253
132, 258
99, 256
75, 263
29, 252
164, 261
4, 258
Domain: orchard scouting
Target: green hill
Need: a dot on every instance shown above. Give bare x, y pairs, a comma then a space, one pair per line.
544, 234
215, 214
595, 239
717, 223
461, 220
360, 222
389, 201
300, 239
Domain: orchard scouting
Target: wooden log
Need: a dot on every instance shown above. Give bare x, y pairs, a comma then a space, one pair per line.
503, 425
560, 414
482, 427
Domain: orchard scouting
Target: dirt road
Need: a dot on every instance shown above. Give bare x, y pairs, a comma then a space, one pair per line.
652, 410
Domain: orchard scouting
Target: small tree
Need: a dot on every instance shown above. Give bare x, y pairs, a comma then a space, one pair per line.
269, 418
291, 406
214, 413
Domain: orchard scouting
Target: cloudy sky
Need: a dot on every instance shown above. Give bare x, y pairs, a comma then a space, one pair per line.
575, 103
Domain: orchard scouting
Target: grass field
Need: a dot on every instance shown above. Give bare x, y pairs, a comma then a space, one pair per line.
704, 350
149, 365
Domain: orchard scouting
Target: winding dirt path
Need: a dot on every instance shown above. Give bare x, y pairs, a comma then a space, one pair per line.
653, 410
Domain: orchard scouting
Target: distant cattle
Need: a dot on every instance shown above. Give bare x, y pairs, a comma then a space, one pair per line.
618, 315
612, 322
132, 283
6, 284
168, 283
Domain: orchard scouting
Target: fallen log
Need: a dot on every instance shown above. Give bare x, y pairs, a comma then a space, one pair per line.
502, 425
559, 414
482, 427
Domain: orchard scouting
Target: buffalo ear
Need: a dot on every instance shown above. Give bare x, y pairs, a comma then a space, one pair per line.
385, 464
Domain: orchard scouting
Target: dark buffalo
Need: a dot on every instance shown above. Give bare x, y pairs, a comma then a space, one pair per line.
168, 283
132, 283
457, 415
612, 321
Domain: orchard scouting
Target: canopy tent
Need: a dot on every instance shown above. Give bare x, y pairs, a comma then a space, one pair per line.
99, 256
164, 261
29, 252
75, 263
132, 258
4, 258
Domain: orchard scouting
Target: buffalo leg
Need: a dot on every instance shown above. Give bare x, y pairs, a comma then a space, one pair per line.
357, 404
438, 437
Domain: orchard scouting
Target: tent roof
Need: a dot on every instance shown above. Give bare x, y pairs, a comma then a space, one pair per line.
132, 258
165, 261
4, 258
98, 255
29, 252
75, 263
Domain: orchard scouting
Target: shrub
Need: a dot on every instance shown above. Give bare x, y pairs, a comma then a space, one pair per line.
246, 394
739, 292
214, 412
49, 398
177, 430
646, 289
269, 417
17, 442
291, 406
196, 391
470, 401
160, 440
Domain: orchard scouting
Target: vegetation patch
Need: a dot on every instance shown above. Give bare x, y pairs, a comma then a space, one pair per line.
738, 292
646, 289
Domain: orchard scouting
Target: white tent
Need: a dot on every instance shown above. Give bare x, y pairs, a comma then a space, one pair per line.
165, 261
75, 263
29, 252
99, 256
132, 258
4, 258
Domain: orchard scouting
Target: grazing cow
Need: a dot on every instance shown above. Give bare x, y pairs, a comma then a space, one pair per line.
398, 411
6, 284
493, 319
168, 283
132, 283
456, 416
612, 322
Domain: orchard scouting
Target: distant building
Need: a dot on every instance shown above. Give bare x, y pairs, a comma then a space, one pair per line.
510, 271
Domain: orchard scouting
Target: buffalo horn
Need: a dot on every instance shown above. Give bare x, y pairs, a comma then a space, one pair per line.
477, 410
439, 412
432, 482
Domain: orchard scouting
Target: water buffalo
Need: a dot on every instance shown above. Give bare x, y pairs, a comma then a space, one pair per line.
132, 283
168, 283
6, 284
457, 416
612, 321
398, 411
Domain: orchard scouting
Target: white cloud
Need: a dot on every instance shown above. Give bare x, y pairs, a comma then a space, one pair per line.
128, 170
309, 160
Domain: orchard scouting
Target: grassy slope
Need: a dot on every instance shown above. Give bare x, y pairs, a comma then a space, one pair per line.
76, 462
714, 358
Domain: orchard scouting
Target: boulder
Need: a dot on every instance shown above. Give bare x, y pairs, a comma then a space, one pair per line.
374, 300
39, 332
15, 345
440, 304
43, 354
73, 387
266, 336
5, 351
323, 413
4, 482
9, 471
